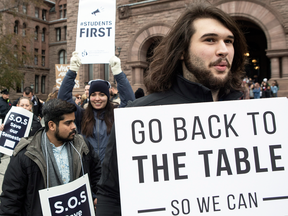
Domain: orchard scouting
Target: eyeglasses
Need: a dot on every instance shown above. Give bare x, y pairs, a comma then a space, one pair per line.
79, 97
108, 83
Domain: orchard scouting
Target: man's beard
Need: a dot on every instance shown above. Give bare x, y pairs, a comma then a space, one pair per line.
64, 139
196, 66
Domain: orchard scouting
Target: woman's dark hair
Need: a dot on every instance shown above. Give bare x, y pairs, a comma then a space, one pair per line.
88, 120
166, 59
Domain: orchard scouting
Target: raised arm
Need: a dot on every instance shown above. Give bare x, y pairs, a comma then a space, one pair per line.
123, 85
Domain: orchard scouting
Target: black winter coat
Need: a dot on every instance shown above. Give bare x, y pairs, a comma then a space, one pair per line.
26, 175
182, 91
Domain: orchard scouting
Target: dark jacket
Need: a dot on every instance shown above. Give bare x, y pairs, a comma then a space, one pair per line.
5, 106
37, 105
35, 126
100, 139
182, 91
26, 175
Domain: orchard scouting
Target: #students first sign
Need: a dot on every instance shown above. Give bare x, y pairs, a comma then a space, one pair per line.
216, 158
95, 40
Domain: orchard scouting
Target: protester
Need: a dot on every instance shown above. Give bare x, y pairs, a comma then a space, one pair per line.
95, 122
257, 91
86, 100
200, 59
5, 104
27, 104
54, 156
78, 98
37, 104
114, 95
274, 88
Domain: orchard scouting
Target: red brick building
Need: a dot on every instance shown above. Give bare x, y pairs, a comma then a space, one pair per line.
140, 25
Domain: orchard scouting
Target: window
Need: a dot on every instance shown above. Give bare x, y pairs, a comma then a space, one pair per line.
36, 56
60, 12
58, 34
43, 58
24, 8
43, 78
43, 35
44, 14
37, 12
23, 54
20, 88
36, 84
16, 25
16, 52
24, 30
36, 33
62, 57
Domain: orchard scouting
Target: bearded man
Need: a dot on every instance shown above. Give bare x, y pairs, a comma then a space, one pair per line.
201, 59
51, 157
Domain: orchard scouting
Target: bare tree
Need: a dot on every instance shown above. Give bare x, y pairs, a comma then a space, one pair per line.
14, 38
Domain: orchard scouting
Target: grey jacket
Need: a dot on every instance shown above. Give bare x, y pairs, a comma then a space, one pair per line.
26, 174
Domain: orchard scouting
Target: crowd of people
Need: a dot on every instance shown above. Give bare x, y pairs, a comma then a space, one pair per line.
201, 59
255, 90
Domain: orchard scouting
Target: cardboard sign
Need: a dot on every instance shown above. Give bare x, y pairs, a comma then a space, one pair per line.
17, 124
95, 39
61, 70
73, 198
217, 158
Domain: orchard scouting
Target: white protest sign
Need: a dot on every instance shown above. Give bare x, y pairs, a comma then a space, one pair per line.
73, 198
217, 158
17, 124
95, 39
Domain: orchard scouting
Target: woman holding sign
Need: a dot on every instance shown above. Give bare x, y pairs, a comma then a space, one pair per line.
27, 104
95, 122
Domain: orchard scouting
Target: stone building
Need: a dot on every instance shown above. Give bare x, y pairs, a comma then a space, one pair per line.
140, 25
47, 23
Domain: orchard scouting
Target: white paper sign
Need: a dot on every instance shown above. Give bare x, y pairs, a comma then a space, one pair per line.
17, 124
217, 158
73, 198
95, 39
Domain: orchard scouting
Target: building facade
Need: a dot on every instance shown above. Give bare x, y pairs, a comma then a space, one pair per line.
140, 25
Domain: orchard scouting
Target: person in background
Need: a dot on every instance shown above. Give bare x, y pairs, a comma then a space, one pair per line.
95, 122
274, 88
37, 105
78, 99
201, 59
114, 95
267, 93
256, 90
27, 104
139, 93
5, 104
86, 100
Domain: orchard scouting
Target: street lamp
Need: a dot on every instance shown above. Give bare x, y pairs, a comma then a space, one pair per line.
32, 86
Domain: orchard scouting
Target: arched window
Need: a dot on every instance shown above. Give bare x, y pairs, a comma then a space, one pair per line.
24, 29
16, 27
62, 57
36, 32
43, 35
